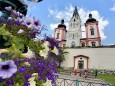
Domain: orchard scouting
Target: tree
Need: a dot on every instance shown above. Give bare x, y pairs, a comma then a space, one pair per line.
62, 55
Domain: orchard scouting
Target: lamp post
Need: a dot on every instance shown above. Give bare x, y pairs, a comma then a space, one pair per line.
17, 5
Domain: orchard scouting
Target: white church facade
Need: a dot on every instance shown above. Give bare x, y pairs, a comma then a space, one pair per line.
84, 53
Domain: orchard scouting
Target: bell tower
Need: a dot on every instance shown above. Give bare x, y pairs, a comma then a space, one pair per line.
92, 32
74, 33
60, 34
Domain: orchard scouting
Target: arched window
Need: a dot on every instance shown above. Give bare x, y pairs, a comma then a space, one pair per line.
92, 31
73, 44
74, 20
58, 35
73, 36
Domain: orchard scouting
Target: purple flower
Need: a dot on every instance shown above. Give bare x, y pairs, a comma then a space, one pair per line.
26, 84
22, 69
14, 75
28, 22
17, 23
27, 76
26, 60
15, 13
8, 8
1, 79
36, 23
10, 82
17, 61
2, 20
7, 68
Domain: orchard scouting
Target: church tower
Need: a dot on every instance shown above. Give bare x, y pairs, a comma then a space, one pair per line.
60, 34
92, 32
74, 33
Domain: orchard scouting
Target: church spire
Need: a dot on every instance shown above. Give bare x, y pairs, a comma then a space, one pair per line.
75, 11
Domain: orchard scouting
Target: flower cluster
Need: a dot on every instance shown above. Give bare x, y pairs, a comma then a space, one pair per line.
30, 27
16, 69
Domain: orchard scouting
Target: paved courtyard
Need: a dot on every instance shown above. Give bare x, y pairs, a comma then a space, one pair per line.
72, 80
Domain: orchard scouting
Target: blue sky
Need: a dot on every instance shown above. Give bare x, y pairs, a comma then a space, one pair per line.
50, 13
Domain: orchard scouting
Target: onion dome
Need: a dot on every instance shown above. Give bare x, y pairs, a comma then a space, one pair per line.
90, 19
62, 24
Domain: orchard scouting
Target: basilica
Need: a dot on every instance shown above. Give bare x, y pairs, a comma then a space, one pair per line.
84, 53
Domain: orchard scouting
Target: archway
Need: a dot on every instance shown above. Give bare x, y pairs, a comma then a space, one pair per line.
81, 62
72, 44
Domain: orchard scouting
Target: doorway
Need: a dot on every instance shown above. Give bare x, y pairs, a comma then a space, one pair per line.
80, 64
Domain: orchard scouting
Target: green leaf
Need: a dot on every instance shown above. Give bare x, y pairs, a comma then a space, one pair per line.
3, 31
5, 37
7, 43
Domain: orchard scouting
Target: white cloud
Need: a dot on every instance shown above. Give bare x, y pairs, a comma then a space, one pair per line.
67, 14
58, 15
113, 8
53, 25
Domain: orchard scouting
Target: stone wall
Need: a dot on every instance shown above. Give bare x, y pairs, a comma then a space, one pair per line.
99, 58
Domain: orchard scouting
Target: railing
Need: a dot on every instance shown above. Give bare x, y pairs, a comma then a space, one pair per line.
70, 82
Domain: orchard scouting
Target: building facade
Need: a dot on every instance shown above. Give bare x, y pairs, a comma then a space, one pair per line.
73, 36
60, 34
90, 58
74, 33
90, 55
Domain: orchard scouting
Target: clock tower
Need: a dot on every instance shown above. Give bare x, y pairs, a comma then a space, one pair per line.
74, 33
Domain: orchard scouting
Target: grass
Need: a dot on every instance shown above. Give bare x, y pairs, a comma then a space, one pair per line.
107, 78
62, 70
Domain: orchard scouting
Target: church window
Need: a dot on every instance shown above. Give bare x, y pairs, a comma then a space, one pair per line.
58, 35
93, 44
73, 36
92, 31
73, 44
74, 20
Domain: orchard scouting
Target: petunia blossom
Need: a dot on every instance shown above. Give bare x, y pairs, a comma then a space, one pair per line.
47, 83
8, 8
44, 52
20, 31
7, 68
46, 45
55, 50
32, 82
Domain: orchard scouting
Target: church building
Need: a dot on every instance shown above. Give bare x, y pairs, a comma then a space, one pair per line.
84, 53
73, 36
